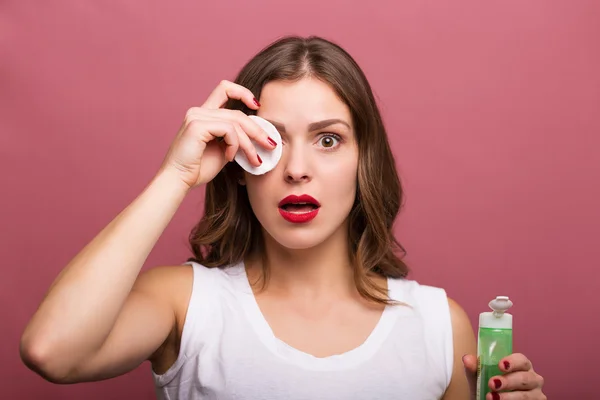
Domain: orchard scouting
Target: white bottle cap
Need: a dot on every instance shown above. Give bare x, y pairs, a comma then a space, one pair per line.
269, 158
499, 318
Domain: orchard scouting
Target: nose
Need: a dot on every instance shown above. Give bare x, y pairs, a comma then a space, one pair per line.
296, 164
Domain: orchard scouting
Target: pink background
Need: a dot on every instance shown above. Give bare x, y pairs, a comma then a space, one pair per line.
493, 109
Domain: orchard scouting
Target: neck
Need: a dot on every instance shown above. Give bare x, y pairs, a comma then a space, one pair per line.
323, 270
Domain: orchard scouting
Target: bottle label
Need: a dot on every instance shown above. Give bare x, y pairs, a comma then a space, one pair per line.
478, 385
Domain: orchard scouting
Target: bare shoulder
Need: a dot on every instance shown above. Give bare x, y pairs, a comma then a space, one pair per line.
462, 330
164, 276
460, 319
171, 284
463, 343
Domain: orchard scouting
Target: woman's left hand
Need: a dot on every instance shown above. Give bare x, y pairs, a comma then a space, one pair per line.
518, 382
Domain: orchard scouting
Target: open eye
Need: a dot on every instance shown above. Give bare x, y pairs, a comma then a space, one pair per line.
329, 141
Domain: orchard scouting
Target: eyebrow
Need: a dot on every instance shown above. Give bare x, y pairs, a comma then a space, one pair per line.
313, 126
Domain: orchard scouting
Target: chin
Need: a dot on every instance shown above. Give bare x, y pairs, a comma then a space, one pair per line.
301, 236
298, 240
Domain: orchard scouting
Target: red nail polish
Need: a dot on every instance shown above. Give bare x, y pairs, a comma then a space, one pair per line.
274, 143
259, 160
506, 365
495, 396
256, 102
497, 383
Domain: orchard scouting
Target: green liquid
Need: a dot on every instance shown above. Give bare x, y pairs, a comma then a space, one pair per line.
493, 345
486, 372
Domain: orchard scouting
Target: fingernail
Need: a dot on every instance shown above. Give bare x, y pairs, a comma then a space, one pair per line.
256, 102
497, 383
259, 160
274, 143
495, 396
506, 365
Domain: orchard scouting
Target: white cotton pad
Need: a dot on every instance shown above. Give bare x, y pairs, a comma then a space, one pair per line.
269, 158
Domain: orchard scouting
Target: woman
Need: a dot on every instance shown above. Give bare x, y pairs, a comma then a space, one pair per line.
272, 305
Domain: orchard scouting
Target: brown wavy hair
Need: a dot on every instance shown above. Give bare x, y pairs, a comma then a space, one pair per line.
229, 230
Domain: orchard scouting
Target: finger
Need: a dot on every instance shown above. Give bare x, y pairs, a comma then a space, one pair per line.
518, 395
209, 130
247, 146
470, 364
228, 90
194, 112
515, 362
251, 128
515, 381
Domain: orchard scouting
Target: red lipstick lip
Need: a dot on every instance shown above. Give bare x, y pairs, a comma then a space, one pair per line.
303, 198
298, 218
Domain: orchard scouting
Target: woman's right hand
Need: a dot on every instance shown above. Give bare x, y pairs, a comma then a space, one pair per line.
134, 315
195, 156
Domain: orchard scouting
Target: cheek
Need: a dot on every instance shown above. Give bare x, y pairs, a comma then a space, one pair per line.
341, 181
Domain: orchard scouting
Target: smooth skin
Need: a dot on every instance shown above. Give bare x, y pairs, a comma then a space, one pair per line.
102, 318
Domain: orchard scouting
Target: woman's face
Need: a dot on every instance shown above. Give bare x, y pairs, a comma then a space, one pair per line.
320, 160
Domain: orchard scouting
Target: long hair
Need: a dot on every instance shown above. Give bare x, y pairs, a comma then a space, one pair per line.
229, 231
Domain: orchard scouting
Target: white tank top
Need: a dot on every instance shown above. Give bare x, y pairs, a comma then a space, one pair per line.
228, 351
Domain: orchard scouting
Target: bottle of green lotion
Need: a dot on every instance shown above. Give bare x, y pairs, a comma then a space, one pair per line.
494, 342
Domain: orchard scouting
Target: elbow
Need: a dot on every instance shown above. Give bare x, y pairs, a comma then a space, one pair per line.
38, 356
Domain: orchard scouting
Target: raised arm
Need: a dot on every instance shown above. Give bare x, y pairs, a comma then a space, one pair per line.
99, 319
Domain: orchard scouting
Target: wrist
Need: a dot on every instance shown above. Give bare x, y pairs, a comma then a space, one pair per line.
170, 180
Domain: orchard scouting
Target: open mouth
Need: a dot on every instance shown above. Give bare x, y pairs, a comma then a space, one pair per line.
299, 209
299, 204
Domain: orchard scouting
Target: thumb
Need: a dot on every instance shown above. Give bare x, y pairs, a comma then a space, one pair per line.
470, 364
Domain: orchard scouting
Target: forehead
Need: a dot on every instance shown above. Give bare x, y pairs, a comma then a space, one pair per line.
302, 102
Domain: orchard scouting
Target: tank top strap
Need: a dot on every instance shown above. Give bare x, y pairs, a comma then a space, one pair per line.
431, 305
200, 316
